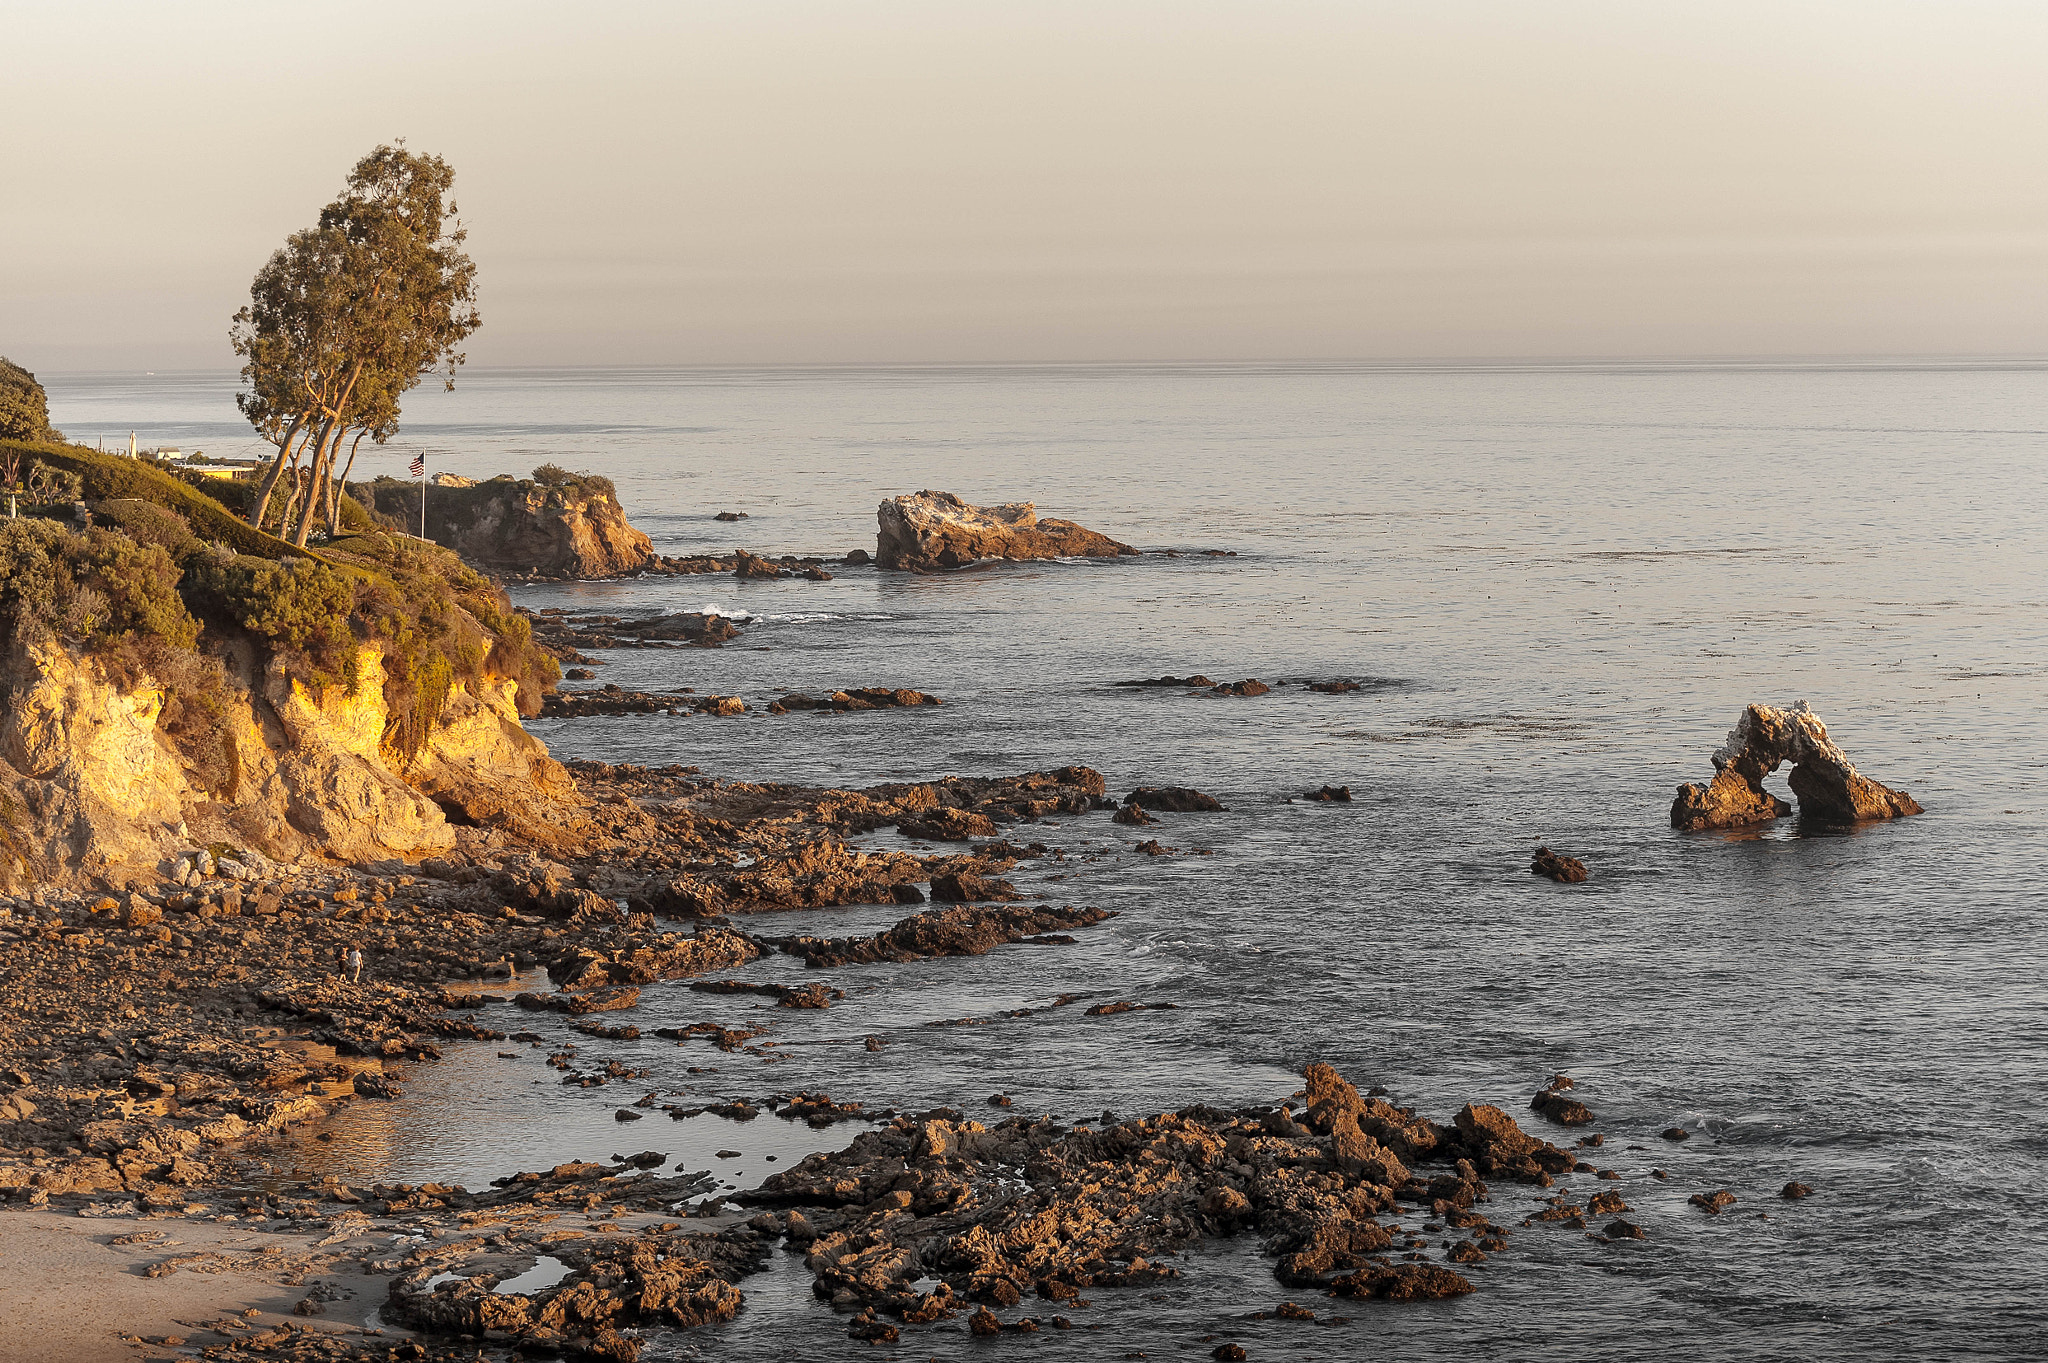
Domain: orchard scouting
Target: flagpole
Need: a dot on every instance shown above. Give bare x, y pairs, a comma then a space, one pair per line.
423, 496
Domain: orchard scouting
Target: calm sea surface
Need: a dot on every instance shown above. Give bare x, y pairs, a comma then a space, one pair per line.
1561, 585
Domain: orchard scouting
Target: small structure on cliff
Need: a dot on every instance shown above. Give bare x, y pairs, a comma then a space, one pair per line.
1826, 782
929, 532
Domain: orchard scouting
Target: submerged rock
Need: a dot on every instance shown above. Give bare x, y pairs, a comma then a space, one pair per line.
1827, 784
1173, 800
966, 931
930, 531
1562, 1110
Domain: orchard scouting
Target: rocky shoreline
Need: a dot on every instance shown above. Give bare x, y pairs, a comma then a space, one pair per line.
167, 1038
216, 954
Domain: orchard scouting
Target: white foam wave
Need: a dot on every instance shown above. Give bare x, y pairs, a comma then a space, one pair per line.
743, 616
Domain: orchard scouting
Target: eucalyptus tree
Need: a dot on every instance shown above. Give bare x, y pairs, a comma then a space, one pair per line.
288, 337
349, 316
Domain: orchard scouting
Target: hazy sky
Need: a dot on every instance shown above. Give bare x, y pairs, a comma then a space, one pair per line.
789, 180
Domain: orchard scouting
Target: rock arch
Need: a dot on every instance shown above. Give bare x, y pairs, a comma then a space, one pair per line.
1826, 782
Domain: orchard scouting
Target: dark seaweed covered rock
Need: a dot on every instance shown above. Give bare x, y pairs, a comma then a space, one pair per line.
1564, 870
1173, 800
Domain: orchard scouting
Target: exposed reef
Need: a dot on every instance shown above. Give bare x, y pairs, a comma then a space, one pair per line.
855, 698
926, 1217
612, 699
565, 635
1562, 869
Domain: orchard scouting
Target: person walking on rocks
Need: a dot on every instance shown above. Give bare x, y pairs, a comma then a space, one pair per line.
354, 962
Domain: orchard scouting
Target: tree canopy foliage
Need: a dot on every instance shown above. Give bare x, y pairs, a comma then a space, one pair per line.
24, 408
347, 317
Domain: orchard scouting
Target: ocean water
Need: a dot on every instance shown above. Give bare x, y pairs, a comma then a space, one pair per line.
1560, 584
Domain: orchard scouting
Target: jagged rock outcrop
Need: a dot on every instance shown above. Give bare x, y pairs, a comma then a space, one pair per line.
929, 532
562, 527
1827, 784
1564, 870
92, 788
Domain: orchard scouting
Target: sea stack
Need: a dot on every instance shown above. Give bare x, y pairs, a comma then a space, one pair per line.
1827, 784
929, 532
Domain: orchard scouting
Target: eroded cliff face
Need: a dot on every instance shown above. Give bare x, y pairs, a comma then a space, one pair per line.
93, 791
524, 528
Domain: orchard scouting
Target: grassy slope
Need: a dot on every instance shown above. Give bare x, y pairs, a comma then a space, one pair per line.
114, 475
368, 553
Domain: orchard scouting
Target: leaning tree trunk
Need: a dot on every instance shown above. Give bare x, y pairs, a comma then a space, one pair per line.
295, 479
275, 471
291, 503
340, 488
323, 456
309, 508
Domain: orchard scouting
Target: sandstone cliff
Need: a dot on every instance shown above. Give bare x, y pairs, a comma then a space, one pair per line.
555, 525
92, 790
933, 531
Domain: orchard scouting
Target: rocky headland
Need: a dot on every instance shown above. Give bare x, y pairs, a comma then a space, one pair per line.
555, 524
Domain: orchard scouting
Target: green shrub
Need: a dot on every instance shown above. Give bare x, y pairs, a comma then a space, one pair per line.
47, 483
195, 716
148, 523
585, 484
117, 599
296, 605
24, 409
100, 589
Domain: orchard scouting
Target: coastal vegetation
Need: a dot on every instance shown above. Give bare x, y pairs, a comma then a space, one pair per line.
24, 409
167, 582
344, 319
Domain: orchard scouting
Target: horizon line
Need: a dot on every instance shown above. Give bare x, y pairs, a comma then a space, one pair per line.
1866, 360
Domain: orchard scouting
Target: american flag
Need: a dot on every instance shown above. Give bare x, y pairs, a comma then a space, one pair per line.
419, 466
